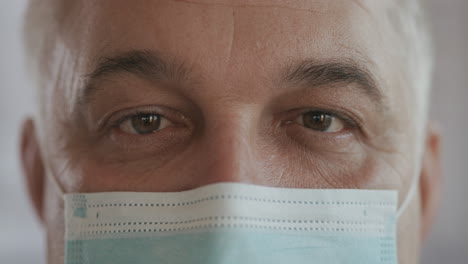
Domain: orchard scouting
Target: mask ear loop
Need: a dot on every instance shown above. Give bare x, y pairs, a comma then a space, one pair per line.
55, 182
416, 176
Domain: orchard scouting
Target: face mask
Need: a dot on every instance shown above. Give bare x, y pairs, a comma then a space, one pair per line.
232, 223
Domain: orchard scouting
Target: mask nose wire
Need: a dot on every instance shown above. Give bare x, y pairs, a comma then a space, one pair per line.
415, 176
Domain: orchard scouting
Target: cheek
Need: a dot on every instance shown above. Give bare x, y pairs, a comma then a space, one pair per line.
300, 170
144, 175
321, 164
286, 159
289, 164
271, 166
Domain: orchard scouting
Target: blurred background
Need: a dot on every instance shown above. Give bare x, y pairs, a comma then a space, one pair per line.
21, 238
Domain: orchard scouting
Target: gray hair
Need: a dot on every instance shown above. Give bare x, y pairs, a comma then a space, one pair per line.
412, 24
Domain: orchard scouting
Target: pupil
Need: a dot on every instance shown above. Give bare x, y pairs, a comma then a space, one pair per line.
317, 121
146, 123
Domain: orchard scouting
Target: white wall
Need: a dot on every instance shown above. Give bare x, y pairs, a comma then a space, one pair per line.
21, 239
449, 240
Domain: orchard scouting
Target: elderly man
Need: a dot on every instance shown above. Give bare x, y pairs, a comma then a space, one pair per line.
231, 131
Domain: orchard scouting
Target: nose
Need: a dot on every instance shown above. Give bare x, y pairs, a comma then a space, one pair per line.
228, 152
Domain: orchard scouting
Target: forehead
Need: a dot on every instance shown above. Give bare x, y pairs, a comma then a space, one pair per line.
225, 33
227, 41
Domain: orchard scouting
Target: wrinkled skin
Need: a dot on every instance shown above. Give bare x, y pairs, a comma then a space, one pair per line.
231, 114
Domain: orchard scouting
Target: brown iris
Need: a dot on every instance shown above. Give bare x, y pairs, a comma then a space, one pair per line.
319, 121
146, 123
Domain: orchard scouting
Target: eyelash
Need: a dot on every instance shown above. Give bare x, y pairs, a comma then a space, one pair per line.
111, 122
350, 122
120, 120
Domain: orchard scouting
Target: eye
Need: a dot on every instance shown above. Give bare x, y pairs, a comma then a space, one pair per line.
144, 123
321, 121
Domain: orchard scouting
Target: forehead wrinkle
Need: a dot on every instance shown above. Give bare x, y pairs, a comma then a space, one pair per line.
234, 5
362, 6
374, 9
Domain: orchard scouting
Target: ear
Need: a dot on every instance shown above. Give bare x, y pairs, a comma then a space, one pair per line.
33, 168
430, 181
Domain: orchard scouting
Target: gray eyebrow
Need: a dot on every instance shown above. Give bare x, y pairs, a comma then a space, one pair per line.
143, 63
319, 74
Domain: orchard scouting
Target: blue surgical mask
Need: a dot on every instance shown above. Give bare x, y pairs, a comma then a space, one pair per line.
232, 223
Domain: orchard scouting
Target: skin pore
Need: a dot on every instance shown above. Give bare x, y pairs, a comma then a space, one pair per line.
160, 96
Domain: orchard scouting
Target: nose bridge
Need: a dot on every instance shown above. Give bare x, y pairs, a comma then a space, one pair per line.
231, 152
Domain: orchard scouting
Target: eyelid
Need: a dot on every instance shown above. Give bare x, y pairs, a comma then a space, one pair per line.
341, 122
126, 117
350, 122
126, 124
117, 118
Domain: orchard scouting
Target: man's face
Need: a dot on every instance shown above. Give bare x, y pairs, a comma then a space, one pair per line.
160, 96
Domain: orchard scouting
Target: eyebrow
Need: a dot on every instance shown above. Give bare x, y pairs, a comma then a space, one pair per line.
142, 63
310, 73
331, 73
